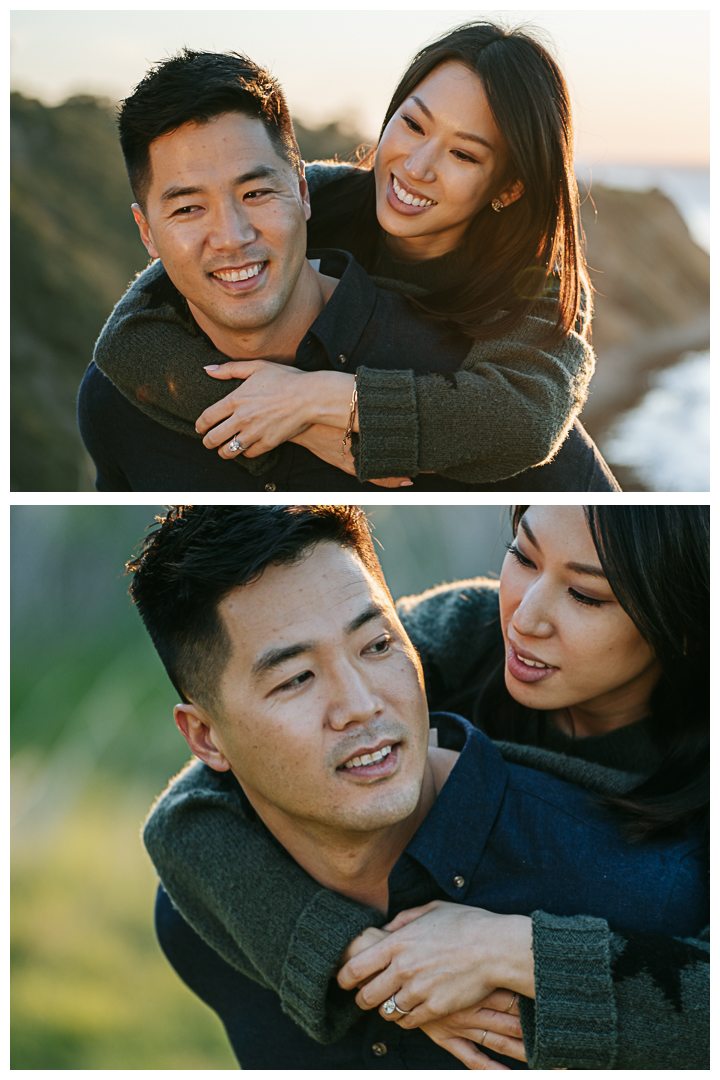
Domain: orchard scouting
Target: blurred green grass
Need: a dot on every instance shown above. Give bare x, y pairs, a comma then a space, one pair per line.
91, 989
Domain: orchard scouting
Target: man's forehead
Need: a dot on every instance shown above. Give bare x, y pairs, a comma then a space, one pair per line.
230, 141
323, 591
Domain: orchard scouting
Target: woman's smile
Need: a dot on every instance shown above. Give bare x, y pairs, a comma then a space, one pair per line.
524, 667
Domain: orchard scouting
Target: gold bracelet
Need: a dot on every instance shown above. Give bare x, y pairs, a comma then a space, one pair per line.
351, 421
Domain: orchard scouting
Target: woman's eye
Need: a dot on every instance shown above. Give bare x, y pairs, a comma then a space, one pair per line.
464, 157
519, 557
588, 601
412, 125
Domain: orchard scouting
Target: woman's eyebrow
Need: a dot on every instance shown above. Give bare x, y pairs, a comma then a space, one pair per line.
529, 533
458, 134
583, 568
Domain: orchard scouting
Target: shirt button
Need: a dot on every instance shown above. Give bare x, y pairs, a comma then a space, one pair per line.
379, 1049
458, 881
270, 487
343, 360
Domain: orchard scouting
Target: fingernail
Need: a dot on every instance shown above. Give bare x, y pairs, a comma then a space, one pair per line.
211, 367
406, 483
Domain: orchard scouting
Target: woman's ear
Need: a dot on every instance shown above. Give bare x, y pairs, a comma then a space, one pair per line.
199, 733
512, 193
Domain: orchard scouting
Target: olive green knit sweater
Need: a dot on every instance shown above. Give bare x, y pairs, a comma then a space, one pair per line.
509, 407
603, 1000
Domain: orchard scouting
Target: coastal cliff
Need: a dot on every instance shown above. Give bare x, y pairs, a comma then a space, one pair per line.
75, 247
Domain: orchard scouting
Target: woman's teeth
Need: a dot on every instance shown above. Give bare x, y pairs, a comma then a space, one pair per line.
368, 759
410, 200
239, 275
531, 663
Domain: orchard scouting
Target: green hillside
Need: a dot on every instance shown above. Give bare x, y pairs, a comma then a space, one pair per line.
74, 248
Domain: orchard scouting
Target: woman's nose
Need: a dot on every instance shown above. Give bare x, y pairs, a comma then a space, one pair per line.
420, 165
532, 617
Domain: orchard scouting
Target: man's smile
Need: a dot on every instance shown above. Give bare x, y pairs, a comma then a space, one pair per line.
240, 278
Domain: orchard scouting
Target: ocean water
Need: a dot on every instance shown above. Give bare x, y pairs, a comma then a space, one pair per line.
666, 437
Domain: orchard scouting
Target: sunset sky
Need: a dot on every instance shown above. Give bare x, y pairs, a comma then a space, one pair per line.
640, 80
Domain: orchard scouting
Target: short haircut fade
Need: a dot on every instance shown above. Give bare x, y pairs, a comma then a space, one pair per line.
198, 87
198, 554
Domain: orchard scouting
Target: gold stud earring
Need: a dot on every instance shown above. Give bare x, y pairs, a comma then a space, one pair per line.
497, 205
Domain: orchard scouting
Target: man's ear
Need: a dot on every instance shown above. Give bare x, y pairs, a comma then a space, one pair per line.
305, 192
144, 228
199, 733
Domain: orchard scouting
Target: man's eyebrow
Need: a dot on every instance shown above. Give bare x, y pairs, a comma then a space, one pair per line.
459, 134
578, 568
272, 658
260, 172
372, 611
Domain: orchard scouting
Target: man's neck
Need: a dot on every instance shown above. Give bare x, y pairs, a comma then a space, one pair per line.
278, 340
358, 864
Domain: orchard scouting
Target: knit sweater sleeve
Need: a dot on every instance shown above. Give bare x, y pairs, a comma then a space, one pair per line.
509, 407
251, 902
606, 1000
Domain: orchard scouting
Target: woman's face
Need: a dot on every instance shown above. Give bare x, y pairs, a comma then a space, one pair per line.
440, 160
569, 644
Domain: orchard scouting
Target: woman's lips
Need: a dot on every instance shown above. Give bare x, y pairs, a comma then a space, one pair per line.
401, 207
524, 672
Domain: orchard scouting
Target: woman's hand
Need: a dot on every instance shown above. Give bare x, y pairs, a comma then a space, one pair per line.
441, 959
269, 408
326, 443
274, 404
494, 1023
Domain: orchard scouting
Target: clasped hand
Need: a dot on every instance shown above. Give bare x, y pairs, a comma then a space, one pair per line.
449, 967
276, 404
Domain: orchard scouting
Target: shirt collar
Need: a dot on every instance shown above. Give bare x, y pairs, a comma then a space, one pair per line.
341, 323
451, 839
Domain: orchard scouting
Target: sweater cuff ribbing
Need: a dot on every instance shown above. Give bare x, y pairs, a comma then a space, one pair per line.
321, 935
387, 414
573, 1022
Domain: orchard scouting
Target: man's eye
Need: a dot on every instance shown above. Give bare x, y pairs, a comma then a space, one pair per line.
182, 210
258, 193
293, 684
379, 647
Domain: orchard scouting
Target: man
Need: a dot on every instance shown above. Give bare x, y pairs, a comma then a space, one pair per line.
304, 696
222, 204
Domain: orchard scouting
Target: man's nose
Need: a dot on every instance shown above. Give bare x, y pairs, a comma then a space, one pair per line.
533, 615
353, 699
231, 227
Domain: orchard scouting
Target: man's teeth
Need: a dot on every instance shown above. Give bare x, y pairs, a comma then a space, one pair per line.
368, 759
239, 275
531, 663
406, 197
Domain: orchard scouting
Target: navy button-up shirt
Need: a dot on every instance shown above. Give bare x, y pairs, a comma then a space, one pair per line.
519, 840
361, 325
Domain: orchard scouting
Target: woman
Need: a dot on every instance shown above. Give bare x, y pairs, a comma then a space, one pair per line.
480, 127
595, 668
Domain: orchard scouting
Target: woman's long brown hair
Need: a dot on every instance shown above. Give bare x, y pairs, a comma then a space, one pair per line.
533, 245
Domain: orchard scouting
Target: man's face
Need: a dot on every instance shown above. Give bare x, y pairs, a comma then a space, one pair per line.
223, 205
322, 674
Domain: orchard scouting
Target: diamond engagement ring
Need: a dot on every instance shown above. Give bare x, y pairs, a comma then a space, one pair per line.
389, 1007
235, 445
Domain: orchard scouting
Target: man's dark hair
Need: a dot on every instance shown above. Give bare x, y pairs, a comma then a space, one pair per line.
198, 554
199, 86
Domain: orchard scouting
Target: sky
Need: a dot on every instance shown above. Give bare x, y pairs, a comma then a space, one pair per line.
640, 80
